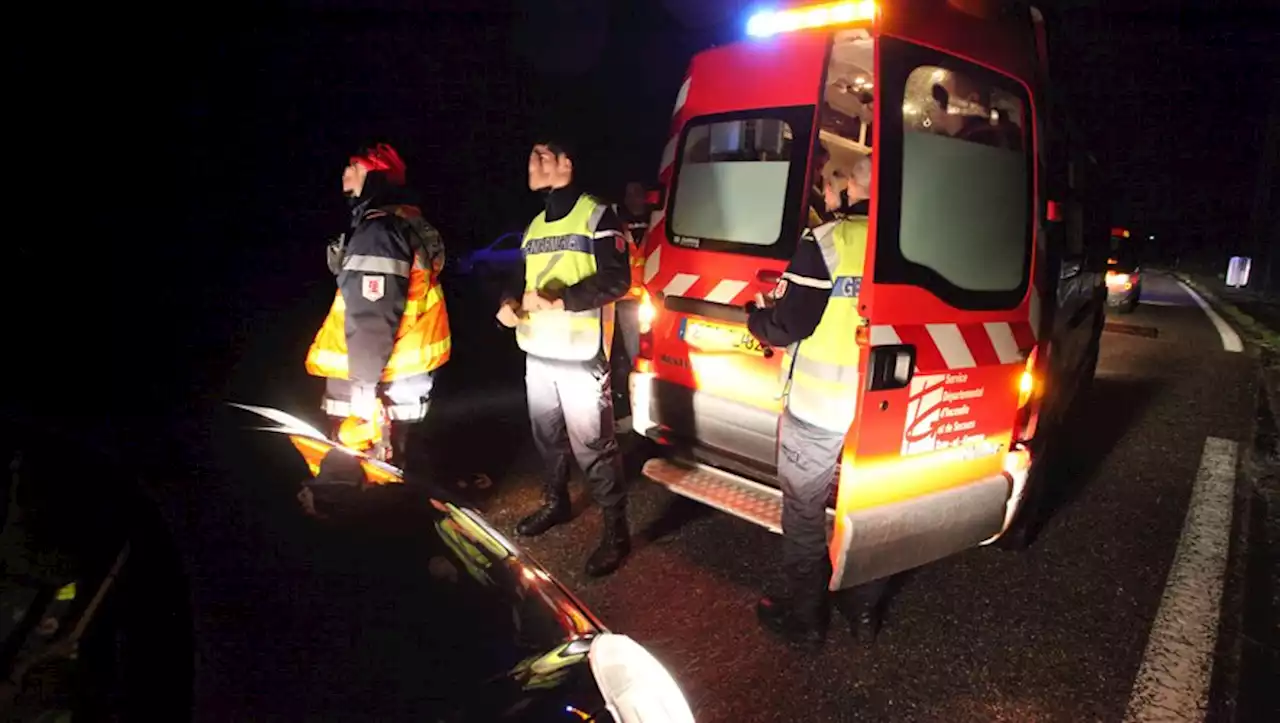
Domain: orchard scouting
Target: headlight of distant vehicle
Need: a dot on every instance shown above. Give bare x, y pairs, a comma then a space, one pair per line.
635, 686
1123, 280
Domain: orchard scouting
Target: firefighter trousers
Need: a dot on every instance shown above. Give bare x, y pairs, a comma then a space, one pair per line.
571, 413
807, 459
625, 350
407, 399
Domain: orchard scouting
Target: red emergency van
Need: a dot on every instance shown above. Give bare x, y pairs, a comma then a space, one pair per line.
982, 295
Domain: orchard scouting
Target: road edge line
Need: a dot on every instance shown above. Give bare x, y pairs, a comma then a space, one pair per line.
1177, 664
1230, 338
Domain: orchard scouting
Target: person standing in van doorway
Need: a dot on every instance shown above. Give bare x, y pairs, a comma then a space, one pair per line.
815, 305
634, 216
562, 307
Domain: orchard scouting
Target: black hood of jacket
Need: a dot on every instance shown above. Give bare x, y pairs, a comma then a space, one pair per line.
378, 192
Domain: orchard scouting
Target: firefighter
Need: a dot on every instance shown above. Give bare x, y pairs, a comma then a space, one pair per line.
815, 305
818, 211
387, 331
634, 216
562, 306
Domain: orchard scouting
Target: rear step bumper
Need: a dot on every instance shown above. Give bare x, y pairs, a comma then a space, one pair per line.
745, 499
877, 541
666, 409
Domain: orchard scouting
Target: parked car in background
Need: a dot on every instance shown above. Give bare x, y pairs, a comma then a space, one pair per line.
502, 255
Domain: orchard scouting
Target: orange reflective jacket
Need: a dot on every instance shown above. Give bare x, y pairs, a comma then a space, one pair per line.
422, 341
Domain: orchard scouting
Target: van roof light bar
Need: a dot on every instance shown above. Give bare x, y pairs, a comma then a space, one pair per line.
772, 22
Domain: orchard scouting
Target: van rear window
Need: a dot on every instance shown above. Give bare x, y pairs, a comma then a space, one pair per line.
959, 201
738, 182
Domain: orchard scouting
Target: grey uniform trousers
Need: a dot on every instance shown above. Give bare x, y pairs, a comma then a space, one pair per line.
571, 413
808, 456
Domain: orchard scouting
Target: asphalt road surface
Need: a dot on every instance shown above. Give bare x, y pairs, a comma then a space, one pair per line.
1054, 633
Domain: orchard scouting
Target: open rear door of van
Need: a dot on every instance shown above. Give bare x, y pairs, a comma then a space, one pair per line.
736, 170
951, 308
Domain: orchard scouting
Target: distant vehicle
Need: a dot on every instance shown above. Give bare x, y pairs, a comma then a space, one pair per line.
501, 255
1124, 284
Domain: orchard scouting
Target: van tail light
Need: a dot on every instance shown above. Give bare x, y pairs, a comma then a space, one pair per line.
648, 313
863, 335
1053, 211
1029, 394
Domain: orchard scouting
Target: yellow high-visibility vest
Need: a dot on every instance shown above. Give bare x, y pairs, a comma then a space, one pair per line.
824, 377
560, 254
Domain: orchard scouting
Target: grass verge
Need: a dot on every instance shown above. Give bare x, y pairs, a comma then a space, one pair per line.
1253, 330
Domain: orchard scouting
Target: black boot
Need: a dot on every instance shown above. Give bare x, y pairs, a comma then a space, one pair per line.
782, 617
397, 444
800, 617
615, 544
860, 607
867, 627
554, 511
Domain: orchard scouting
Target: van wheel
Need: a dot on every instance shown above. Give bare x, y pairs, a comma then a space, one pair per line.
1090, 369
1026, 525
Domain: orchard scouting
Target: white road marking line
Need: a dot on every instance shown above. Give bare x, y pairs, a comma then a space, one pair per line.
1153, 302
1173, 681
1230, 339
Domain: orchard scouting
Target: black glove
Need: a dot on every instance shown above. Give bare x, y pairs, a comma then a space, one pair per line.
334, 252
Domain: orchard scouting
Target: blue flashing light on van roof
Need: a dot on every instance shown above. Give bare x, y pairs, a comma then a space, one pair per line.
771, 22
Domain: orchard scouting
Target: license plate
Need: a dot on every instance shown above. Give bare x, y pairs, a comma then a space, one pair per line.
706, 336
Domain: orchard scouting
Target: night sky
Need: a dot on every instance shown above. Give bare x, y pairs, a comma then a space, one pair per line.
1173, 101
263, 108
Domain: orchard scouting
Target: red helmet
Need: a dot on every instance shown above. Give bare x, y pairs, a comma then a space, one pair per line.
382, 157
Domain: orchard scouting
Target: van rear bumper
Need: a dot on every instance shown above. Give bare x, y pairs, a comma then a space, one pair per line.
682, 416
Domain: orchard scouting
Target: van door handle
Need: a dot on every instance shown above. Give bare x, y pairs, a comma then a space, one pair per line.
890, 367
768, 276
